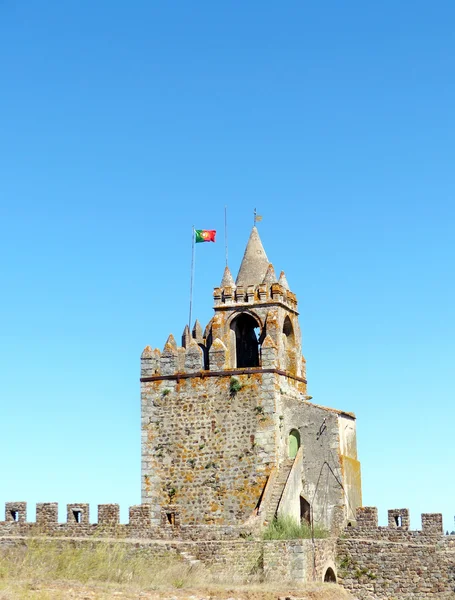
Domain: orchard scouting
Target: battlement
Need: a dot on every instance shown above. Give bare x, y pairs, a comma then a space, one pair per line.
398, 523
259, 294
77, 516
213, 355
140, 523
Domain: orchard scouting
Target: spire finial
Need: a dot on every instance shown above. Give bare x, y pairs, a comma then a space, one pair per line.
270, 276
228, 280
283, 281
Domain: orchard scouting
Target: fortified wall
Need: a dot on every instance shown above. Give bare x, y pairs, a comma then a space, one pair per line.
231, 440
236, 551
394, 561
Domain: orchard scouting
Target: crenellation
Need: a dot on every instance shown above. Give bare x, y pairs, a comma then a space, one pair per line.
228, 295
218, 296
140, 520
398, 517
186, 337
108, 515
47, 514
250, 294
149, 362
78, 514
217, 356
169, 360
432, 524
15, 512
367, 517
197, 332
193, 358
181, 357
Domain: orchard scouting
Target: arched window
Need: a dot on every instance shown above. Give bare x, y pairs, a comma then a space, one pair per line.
288, 330
288, 344
294, 442
246, 341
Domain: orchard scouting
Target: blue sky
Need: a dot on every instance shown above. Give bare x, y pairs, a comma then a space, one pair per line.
123, 124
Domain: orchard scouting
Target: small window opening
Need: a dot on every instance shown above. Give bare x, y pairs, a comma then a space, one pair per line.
205, 357
171, 518
305, 510
330, 576
15, 515
398, 520
349, 524
77, 514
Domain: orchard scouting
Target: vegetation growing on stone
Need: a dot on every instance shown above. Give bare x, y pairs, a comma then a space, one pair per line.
234, 386
287, 528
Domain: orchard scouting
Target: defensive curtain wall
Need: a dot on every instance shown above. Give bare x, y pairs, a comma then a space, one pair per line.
368, 560
237, 550
393, 561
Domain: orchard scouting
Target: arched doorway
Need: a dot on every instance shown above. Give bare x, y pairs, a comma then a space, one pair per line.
246, 341
329, 576
293, 443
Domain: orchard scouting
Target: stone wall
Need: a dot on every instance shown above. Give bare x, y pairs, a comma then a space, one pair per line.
208, 451
205, 449
298, 561
394, 562
108, 525
238, 561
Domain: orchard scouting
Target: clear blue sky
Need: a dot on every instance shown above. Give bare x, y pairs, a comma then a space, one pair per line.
123, 124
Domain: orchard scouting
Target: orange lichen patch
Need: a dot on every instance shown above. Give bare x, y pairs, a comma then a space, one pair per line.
189, 477
214, 507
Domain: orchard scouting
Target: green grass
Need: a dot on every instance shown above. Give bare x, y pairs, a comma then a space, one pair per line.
287, 528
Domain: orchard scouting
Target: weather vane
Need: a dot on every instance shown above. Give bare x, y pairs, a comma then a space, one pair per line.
257, 217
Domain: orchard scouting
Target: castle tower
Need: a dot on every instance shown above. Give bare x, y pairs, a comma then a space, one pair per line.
228, 433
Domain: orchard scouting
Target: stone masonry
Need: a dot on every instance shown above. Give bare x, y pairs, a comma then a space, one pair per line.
395, 562
230, 440
219, 412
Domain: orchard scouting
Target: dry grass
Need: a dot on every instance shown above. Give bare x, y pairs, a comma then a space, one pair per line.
52, 570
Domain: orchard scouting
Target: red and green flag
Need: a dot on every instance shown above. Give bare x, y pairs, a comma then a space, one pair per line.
205, 235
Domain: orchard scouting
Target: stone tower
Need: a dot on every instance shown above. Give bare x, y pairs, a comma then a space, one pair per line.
229, 436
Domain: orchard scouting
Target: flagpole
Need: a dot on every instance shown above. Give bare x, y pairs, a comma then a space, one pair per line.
191, 278
225, 234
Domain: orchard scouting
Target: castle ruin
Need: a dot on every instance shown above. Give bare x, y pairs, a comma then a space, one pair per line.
228, 430
231, 440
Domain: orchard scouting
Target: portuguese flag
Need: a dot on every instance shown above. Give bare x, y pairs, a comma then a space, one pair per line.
205, 235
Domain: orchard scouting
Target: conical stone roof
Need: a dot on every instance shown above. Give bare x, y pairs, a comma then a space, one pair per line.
254, 263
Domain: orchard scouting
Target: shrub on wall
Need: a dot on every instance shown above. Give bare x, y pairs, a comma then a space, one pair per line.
287, 528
